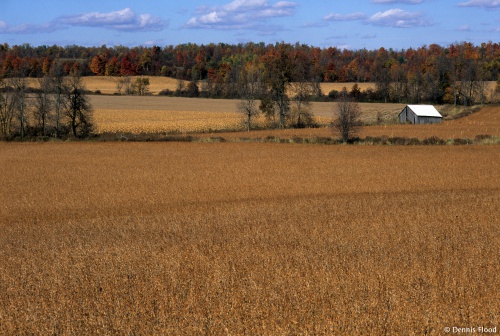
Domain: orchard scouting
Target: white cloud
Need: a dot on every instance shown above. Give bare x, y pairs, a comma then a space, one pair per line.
238, 5
481, 3
345, 17
122, 20
398, 18
5, 28
464, 28
241, 14
410, 2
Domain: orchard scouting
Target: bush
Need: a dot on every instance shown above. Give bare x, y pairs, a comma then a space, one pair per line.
398, 141
459, 141
434, 140
333, 95
166, 92
481, 137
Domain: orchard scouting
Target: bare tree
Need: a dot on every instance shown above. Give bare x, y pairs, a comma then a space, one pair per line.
20, 86
59, 86
141, 86
7, 108
251, 89
78, 108
124, 83
43, 104
348, 113
248, 107
303, 91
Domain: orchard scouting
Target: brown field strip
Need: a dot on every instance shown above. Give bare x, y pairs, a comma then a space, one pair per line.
484, 122
247, 238
168, 114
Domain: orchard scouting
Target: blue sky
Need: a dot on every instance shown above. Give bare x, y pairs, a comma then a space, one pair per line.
348, 24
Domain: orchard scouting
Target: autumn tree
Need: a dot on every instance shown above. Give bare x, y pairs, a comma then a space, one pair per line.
113, 67
347, 116
279, 69
128, 66
380, 72
146, 63
98, 65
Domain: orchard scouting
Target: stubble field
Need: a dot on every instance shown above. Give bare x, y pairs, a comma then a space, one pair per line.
247, 239
134, 114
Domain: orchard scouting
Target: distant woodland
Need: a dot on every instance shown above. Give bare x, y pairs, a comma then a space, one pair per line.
452, 74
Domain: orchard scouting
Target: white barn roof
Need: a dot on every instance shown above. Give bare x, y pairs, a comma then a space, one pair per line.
425, 111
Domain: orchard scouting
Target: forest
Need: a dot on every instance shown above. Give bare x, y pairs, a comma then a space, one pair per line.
453, 74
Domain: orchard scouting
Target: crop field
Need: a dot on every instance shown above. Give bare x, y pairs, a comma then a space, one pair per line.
484, 122
166, 114
173, 114
247, 239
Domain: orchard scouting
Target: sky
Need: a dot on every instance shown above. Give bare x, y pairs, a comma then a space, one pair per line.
349, 24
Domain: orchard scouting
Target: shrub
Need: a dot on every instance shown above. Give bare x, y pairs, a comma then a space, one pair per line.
434, 140
166, 92
481, 137
459, 141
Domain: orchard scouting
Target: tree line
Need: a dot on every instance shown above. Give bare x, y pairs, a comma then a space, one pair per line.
453, 74
279, 80
58, 108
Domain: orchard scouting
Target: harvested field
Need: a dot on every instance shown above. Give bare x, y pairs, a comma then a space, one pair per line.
237, 238
157, 121
107, 85
486, 121
167, 114
164, 114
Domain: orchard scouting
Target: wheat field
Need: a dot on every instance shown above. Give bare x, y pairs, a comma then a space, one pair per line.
247, 239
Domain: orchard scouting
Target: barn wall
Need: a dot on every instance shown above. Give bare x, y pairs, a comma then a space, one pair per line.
429, 120
402, 116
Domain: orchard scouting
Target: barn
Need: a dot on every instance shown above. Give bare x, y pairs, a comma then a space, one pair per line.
420, 114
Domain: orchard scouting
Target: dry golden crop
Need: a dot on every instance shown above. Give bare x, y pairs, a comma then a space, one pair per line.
486, 121
166, 114
247, 238
156, 121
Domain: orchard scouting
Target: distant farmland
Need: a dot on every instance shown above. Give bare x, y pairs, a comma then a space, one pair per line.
157, 114
187, 115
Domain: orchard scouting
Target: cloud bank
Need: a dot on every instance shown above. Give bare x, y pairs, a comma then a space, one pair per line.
345, 17
395, 18
398, 18
124, 20
481, 3
240, 14
409, 2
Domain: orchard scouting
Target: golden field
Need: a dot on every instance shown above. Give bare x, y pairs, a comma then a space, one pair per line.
247, 239
150, 114
190, 115
484, 122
